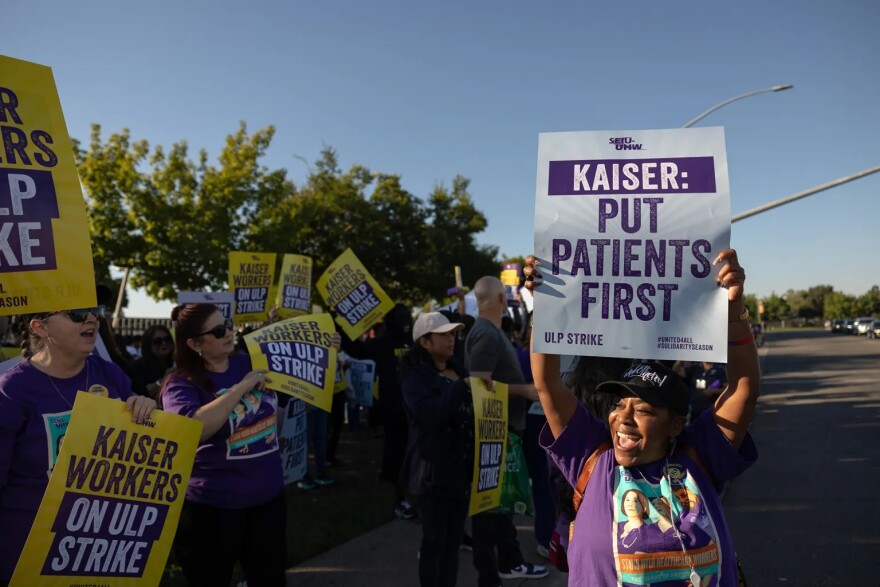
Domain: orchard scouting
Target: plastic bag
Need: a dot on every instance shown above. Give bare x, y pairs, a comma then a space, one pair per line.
516, 488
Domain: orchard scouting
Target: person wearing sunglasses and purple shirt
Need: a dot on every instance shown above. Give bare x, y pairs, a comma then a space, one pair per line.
234, 508
36, 400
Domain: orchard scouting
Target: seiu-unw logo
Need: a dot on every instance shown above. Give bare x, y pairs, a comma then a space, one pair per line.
625, 144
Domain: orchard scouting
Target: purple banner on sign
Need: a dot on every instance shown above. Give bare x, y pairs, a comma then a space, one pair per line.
28, 204
251, 294
296, 298
103, 536
292, 354
357, 303
676, 175
306, 362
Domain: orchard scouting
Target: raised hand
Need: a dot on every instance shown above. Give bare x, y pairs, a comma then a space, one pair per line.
731, 276
533, 278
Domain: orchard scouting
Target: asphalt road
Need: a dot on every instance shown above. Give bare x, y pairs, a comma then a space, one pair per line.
808, 512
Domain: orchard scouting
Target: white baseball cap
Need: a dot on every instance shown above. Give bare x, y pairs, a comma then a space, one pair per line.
430, 322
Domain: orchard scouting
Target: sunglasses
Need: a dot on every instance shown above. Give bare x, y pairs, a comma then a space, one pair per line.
160, 340
79, 315
218, 331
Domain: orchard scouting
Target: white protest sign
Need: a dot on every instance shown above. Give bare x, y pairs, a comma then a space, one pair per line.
294, 441
360, 375
627, 225
224, 300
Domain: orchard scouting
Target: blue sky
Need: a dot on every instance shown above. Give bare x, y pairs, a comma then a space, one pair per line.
429, 91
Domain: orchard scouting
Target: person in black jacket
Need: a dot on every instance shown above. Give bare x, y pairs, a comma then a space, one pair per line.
440, 449
386, 350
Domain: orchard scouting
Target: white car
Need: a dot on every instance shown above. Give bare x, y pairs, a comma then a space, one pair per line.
861, 325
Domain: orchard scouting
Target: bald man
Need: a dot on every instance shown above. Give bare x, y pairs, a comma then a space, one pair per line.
491, 356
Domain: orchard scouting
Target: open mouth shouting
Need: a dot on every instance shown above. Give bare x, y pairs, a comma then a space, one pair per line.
626, 442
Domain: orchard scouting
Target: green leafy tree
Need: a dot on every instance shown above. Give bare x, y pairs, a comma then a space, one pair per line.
869, 303
751, 302
173, 220
175, 223
795, 299
814, 301
327, 215
335, 210
109, 172
453, 224
840, 305
808, 303
775, 308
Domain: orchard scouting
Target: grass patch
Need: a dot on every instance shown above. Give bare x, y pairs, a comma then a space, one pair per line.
320, 519
325, 517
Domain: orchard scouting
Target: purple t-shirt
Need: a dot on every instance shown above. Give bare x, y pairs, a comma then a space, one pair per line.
239, 466
33, 423
625, 530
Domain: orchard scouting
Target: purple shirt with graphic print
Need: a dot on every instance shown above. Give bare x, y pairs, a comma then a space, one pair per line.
239, 466
33, 421
625, 530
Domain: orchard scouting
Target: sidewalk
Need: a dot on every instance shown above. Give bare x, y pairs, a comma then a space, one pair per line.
386, 557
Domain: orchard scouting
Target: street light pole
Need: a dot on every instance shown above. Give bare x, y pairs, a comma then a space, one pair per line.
794, 197
804, 194
776, 88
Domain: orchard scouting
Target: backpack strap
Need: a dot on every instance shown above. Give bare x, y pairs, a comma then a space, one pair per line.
587, 472
693, 455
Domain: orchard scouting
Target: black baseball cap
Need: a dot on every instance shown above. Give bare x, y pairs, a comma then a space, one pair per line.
654, 383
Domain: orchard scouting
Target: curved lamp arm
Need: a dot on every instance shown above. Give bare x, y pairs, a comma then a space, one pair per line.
777, 88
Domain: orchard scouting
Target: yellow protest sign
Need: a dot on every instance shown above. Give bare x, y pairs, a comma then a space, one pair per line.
490, 444
339, 381
45, 248
295, 286
111, 508
353, 294
299, 356
251, 276
510, 277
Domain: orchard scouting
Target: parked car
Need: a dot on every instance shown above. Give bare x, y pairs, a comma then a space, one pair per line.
848, 326
860, 325
874, 329
837, 327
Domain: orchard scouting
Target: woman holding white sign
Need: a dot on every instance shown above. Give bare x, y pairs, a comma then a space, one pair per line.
440, 413
235, 508
36, 401
650, 451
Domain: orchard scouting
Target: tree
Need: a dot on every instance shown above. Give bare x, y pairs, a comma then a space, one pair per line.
775, 308
808, 303
750, 301
175, 225
109, 173
839, 305
869, 303
173, 221
453, 225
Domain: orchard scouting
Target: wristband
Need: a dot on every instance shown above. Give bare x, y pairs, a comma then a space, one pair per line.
742, 341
